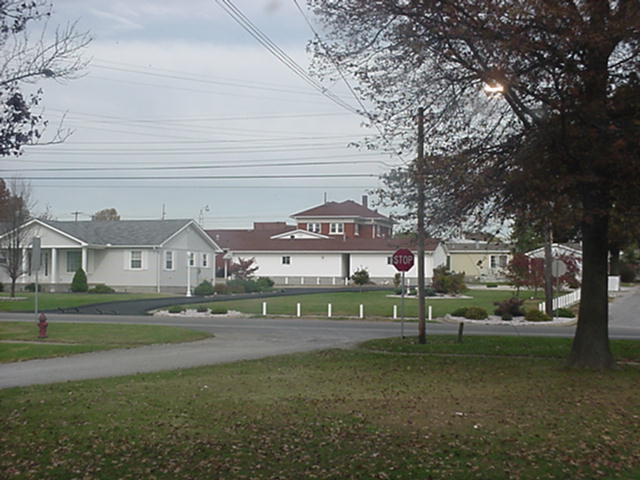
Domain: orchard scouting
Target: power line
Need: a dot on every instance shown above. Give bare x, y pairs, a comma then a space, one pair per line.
279, 54
195, 167
212, 177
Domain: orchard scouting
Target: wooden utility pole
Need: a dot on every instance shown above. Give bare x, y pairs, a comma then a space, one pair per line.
548, 272
422, 331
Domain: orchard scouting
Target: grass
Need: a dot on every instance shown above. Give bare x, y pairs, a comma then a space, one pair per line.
81, 338
51, 301
546, 347
376, 303
335, 414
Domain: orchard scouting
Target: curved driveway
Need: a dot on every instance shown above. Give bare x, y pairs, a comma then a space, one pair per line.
250, 338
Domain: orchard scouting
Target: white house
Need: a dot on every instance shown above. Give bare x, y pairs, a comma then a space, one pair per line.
329, 243
127, 255
561, 251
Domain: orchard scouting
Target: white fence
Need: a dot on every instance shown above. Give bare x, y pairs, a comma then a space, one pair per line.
563, 301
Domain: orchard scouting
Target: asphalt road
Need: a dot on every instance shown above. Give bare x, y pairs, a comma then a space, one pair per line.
251, 338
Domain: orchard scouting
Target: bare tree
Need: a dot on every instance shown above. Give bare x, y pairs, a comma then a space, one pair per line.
14, 213
27, 56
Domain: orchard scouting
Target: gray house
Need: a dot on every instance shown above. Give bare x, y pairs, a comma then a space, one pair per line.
128, 255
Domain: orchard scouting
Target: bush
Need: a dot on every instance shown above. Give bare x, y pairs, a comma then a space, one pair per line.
459, 312
430, 292
507, 317
202, 309
564, 313
220, 289
101, 288
1, 287
79, 282
205, 288
361, 277
512, 306
475, 313
627, 273
216, 310
536, 316
445, 281
31, 287
398, 291
264, 283
492, 285
176, 309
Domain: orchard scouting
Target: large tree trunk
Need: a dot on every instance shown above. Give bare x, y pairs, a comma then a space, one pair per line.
590, 347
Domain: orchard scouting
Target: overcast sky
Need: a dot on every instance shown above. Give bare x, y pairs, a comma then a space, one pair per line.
181, 84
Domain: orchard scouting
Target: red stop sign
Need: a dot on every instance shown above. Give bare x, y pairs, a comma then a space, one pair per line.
402, 259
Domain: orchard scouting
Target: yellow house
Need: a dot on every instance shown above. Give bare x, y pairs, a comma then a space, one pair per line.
479, 261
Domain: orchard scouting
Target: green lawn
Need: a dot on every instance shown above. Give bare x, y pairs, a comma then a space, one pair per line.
376, 303
335, 414
51, 301
80, 338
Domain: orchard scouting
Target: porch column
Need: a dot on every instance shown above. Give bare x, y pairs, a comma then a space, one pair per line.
54, 266
84, 259
24, 265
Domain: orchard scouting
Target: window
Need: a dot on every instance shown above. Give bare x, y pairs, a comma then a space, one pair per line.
357, 229
498, 261
286, 260
74, 261
314, 227
168, 260
3, 258
192, 259
205, 260
336, 228
389, 260
135, 260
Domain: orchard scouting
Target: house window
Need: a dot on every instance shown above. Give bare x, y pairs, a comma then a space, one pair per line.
286, 260
3, 258
205, 260
192, 259
314, 227
389, 260
135, 260
498, 261
74, 261
336, 228
168, 260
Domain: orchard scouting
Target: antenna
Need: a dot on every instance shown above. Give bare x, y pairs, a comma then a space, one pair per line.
163, 212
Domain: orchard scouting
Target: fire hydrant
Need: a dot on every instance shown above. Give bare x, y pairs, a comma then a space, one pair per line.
42, 325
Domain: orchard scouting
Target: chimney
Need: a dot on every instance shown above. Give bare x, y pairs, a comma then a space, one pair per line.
365, 201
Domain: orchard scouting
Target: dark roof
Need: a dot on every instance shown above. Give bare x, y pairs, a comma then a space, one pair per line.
121, 232
261, 241
348, 208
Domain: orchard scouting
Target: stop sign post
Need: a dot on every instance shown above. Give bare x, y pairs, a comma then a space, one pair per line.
403, 260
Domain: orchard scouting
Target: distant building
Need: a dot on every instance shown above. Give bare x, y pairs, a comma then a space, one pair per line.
326, 246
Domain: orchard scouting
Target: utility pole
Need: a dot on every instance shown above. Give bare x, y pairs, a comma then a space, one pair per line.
422, 331
75, 215
548, 272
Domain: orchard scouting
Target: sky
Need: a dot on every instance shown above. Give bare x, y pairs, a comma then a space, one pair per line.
177, 95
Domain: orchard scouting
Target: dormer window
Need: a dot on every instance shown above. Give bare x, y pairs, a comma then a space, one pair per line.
314, 227
357, 229
336, 228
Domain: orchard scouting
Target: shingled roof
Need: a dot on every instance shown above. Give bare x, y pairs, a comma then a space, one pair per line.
348, 208
120, 232
261, 241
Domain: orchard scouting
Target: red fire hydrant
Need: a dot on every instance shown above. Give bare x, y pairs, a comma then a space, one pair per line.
42, 325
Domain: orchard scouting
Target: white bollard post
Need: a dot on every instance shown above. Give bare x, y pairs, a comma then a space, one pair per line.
298, 309
301, 280
395, 312
333, 281
264, 309
429, 312
329, 310
361, 311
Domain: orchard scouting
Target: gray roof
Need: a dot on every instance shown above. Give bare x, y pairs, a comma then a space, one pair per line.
121, 232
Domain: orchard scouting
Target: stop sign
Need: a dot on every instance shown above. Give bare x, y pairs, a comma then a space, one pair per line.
402, 259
